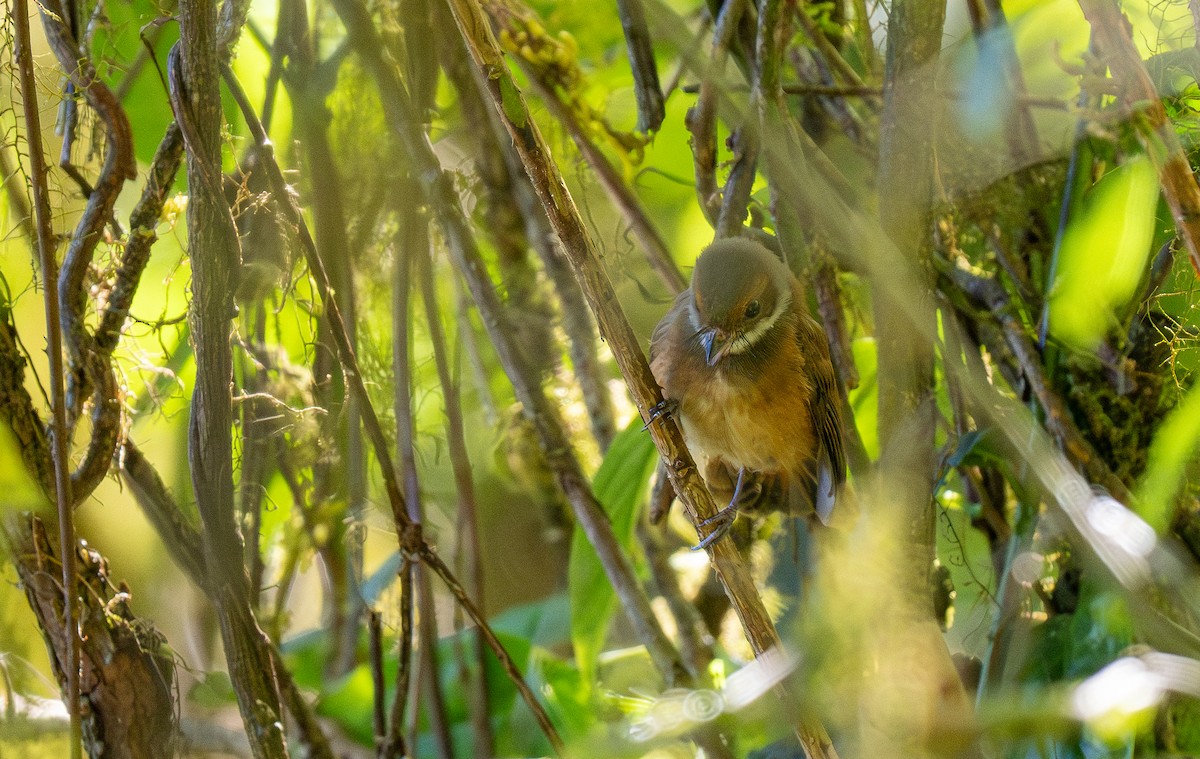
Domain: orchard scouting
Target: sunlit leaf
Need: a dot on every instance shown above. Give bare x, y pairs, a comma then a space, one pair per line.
619, 485
1173, 448
1104, 252
864, 399
350, 701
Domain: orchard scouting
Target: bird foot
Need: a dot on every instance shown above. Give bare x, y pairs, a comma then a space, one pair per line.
664, 408
723, 520
745, 491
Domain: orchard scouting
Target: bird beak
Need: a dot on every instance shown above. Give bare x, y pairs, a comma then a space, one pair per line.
715, 343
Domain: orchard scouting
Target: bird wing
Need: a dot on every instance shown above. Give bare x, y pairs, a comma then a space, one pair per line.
664, 326
825, 412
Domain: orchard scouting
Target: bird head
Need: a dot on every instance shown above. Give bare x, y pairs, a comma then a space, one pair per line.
739, 291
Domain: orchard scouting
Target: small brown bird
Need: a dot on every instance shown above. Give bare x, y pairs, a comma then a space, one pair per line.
747, 372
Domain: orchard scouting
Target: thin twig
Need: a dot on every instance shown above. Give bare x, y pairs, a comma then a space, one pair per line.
989, 295
412, 243
470, 343
359, 25
379, 690
54, 338
614, 327
830, 53
464, 486
1157, 133
653, 245
701, 119
640, 48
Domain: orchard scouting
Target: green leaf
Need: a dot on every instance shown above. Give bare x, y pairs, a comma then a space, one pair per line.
306, 654
350, 701
1173, 447
214, 691
864, 399
510, 99
545, 622
619, 486
1104, 253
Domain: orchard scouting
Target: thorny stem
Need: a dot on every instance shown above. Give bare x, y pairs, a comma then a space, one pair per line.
54, 338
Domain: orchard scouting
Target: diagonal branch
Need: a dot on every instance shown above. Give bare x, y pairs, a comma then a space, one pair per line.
1111, 31
54, 336
359, 25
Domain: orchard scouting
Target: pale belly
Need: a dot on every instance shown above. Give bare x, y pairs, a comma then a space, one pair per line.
747, 430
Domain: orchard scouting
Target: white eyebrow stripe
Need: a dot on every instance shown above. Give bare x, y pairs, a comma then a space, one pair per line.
755, 333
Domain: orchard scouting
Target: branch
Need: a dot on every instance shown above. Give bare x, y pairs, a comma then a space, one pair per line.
412, 244
651, 110
701, 118
126, 673
512, 198
91, 372
1111, 31
184, 545
360, 28
464, 486
62, 479
653, 245
193, 73
989, 295
541, 413
143, 223
614, 327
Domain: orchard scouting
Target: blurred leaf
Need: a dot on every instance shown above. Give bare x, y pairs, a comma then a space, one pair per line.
213, 691
619, 485
350, 701
545, 622
1173, 448
1104, 252
18, 487
567, 697
381, 579
864, 399
306, 654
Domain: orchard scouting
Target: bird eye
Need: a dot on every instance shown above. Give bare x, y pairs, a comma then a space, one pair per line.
753, 309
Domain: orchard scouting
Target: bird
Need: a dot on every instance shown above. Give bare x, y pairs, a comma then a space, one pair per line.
747, 373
